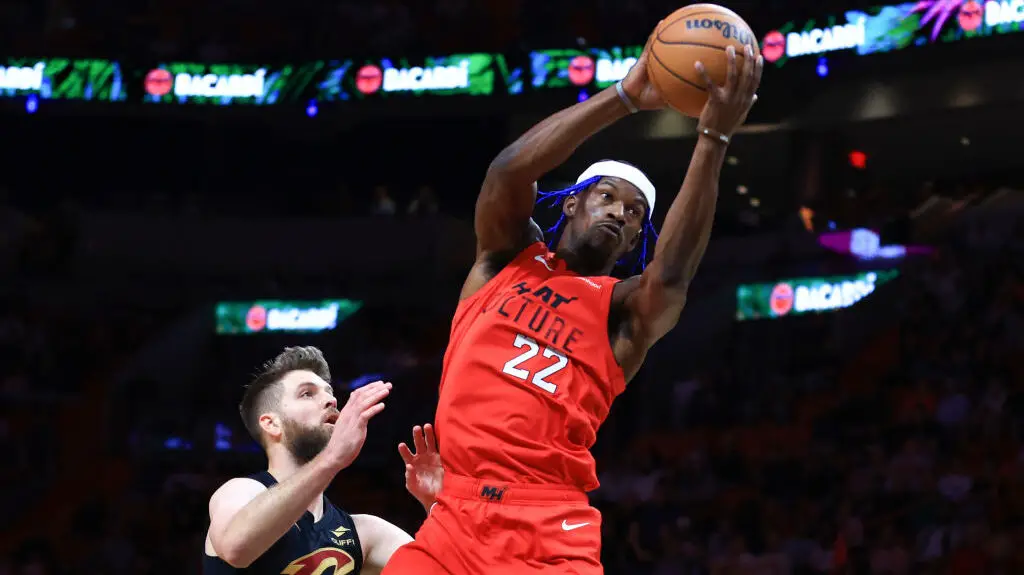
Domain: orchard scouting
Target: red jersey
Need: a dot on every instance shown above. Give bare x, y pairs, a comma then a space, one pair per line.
529, 375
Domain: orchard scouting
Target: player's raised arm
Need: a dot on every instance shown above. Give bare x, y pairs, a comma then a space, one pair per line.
246, 518
661, 294
505, 205
509, 191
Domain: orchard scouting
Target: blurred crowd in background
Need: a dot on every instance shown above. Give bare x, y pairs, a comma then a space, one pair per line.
903, 458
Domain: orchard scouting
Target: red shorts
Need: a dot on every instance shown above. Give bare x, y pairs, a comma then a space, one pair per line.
499, 528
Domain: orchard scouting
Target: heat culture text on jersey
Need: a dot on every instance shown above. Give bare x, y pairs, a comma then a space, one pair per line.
535, 311
529, 375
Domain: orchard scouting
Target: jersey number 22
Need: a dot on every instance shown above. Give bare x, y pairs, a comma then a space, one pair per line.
532, 349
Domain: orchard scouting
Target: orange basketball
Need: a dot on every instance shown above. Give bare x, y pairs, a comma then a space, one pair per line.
699, 32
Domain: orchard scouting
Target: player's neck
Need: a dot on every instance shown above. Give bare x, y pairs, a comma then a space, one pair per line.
282, 465
581, 263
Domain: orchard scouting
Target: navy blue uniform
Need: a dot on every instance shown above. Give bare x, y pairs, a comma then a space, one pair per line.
326, 547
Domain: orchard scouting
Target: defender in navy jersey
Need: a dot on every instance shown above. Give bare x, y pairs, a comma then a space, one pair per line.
278, 521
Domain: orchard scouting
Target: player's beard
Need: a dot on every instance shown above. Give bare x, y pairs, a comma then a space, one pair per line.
304, 442
594, 252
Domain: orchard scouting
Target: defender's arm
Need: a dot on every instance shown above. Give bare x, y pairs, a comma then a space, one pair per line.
246, 518
379, 540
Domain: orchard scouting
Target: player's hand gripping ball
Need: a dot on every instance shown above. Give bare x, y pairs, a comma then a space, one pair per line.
701, 56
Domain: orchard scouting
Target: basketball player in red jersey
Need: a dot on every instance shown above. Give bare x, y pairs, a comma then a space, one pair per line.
543, 342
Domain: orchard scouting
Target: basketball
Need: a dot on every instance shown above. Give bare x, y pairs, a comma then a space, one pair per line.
699, 32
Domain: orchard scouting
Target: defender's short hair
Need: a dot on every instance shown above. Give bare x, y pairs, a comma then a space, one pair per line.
264, 393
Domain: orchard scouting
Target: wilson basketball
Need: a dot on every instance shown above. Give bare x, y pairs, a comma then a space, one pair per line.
699, 32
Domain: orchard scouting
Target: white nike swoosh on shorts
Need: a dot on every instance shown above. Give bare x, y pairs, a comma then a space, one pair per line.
571, 526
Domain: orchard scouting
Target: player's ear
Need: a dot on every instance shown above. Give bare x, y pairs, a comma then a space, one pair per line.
570, 205
270, 423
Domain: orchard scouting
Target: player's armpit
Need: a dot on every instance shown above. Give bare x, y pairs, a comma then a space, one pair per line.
649, 307
228, 500
652, 308
489, 263
379, 540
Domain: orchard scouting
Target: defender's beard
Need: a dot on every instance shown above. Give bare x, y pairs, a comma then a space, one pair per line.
305, 443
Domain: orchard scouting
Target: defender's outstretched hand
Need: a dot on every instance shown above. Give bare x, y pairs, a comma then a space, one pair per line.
350, 424
729, 104
423, 472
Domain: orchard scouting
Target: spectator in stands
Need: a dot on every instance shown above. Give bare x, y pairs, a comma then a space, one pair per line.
425, 202
383, 204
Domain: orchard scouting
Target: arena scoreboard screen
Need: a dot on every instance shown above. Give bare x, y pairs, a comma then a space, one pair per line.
476, 74
583, 69
806, 295
473, 74
276, 316
892, 27
588, 67
223, 84
63, 79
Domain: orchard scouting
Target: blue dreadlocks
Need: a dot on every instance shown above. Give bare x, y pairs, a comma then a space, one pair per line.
554, 232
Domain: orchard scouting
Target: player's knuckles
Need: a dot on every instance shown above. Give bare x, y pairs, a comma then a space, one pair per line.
376, 395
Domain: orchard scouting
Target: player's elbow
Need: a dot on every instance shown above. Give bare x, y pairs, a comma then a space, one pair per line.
233, 552
509, 166
238, 562
237, 559
505, 160
499, 176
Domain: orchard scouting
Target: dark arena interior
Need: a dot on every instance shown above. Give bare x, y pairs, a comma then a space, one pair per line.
843, 392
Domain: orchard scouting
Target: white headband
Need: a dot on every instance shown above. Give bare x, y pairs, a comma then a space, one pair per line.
622, 171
